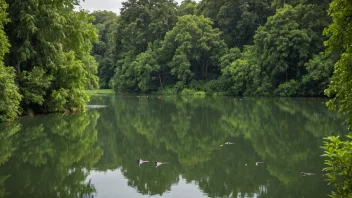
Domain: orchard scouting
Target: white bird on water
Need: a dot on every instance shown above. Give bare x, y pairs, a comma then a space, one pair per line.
307, 174
140, 162
160, 163
227, 143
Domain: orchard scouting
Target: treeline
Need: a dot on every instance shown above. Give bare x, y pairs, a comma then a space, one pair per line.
230, 47
45, 61
50, 53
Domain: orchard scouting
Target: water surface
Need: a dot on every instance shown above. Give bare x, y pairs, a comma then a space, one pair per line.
93, 154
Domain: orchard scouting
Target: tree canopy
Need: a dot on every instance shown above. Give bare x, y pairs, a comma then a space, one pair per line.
165, 47
49, 51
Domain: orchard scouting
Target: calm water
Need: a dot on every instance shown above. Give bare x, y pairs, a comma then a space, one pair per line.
93, 154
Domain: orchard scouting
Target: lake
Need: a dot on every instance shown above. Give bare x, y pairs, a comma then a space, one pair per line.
94, 154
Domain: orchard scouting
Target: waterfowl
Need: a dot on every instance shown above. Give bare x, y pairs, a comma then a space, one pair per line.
140, 162
307, 174
159, 163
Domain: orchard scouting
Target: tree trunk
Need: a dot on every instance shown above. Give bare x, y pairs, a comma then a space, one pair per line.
206, 69
18, 68
161, 81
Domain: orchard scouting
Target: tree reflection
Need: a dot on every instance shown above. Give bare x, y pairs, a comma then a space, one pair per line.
52, 156
284, 133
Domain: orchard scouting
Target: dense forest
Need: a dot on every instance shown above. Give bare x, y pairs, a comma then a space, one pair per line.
228, 47
51, 52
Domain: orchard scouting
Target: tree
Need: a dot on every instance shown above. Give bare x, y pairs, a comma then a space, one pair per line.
187, 7
105, 50
240, 72
237, 19
140, 24
286, 43
9, 95
281, 3
192, 49
50, 51
339, 43
144, 72
339, 152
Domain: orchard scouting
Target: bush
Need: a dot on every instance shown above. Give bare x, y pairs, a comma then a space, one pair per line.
200, 94
170, 90
187, 92
287, 89
339, 165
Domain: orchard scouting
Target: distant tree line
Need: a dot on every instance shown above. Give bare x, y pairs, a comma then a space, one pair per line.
229, 47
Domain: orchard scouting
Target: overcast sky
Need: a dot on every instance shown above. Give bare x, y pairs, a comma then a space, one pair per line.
110, 5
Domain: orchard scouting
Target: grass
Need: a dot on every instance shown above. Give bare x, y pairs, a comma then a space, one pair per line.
101, 91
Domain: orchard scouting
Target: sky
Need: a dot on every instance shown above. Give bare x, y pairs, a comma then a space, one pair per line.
110, 5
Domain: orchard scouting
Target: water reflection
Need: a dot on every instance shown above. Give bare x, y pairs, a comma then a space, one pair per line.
50, 156
284, 133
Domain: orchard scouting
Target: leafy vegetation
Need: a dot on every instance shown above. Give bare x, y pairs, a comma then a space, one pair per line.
51, 54
265, 48
48, 45
339, 151
105, 50
233, 47
9, 95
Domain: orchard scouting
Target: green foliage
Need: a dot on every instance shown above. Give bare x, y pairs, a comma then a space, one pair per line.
192, 49
287, 89
9, 94
51, 54
339, 43
141, 27
4, 44
200, 94
286, 47
187, 92
338, 168
242, 75
237, 19
232, 55
187, 7
319, 70
285, 59
101, 91
288, 40
143, 73
35, 84
168, 90
105, 50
